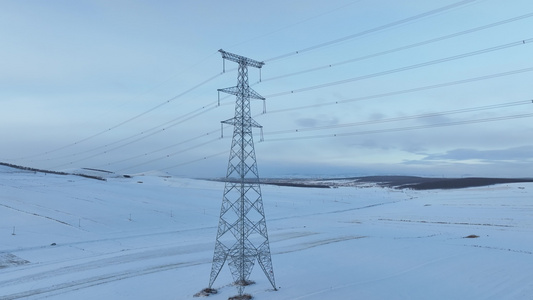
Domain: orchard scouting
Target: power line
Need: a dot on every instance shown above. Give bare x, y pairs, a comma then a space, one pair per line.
410, 46
419, 116
140, 138
485, 120
410, 67
417, 89
194, 161
337, 102
169, 155
127, 120
398, 129
164, 148
144, 135
297, 23
462, 81
194, 114
168, 147
376, 29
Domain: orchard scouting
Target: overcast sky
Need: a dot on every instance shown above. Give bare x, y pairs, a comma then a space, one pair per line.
439, 88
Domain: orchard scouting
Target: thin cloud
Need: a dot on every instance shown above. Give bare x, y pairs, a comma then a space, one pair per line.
509, 154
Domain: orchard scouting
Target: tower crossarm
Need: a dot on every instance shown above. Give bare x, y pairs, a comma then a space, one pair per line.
241, 59
233, 121
235, 91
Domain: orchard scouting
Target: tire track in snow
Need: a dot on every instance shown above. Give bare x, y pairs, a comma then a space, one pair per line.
110, 239
109, 261
335, 211
500, 249
445, 223
109, 275
37, 215
113, 261
389, 276
316, 243
70, 286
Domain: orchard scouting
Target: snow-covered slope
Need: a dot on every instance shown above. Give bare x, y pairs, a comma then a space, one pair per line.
151, 237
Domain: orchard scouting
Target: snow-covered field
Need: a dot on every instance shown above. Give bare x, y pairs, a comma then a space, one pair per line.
150, 237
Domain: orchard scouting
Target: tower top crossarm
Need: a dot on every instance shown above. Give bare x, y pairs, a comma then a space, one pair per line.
241, 59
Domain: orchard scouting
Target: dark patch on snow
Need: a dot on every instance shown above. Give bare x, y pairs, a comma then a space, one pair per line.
397, 182
98, 170
241, 297
459, 183
472, 236
205, 292
52, 172
10, 260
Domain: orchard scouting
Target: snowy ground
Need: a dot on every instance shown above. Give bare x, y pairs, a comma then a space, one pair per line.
151, 237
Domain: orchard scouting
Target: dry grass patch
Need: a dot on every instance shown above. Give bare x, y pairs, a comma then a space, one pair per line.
241, 297
472, 236
205, 292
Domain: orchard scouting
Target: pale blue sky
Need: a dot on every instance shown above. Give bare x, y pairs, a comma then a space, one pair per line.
73, 74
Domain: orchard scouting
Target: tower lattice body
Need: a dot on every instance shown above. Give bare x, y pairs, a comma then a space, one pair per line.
242, 236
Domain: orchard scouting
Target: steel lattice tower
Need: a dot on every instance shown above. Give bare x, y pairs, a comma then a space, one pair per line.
242, 236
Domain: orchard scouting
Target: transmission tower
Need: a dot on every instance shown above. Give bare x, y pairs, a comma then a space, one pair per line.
242, 236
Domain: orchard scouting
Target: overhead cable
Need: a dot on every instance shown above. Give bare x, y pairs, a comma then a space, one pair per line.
378, 131
169, 155
127, 120
376, 29
404, 118
164, 148
194, 161
136, 140
419, 116
410, 67
396, 129
297, 23
417, 89
410, 46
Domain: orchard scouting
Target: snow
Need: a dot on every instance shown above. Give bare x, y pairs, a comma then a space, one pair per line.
152, 237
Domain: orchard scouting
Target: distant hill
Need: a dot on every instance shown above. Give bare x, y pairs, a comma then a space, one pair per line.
398, 182
86, 172
425, 183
